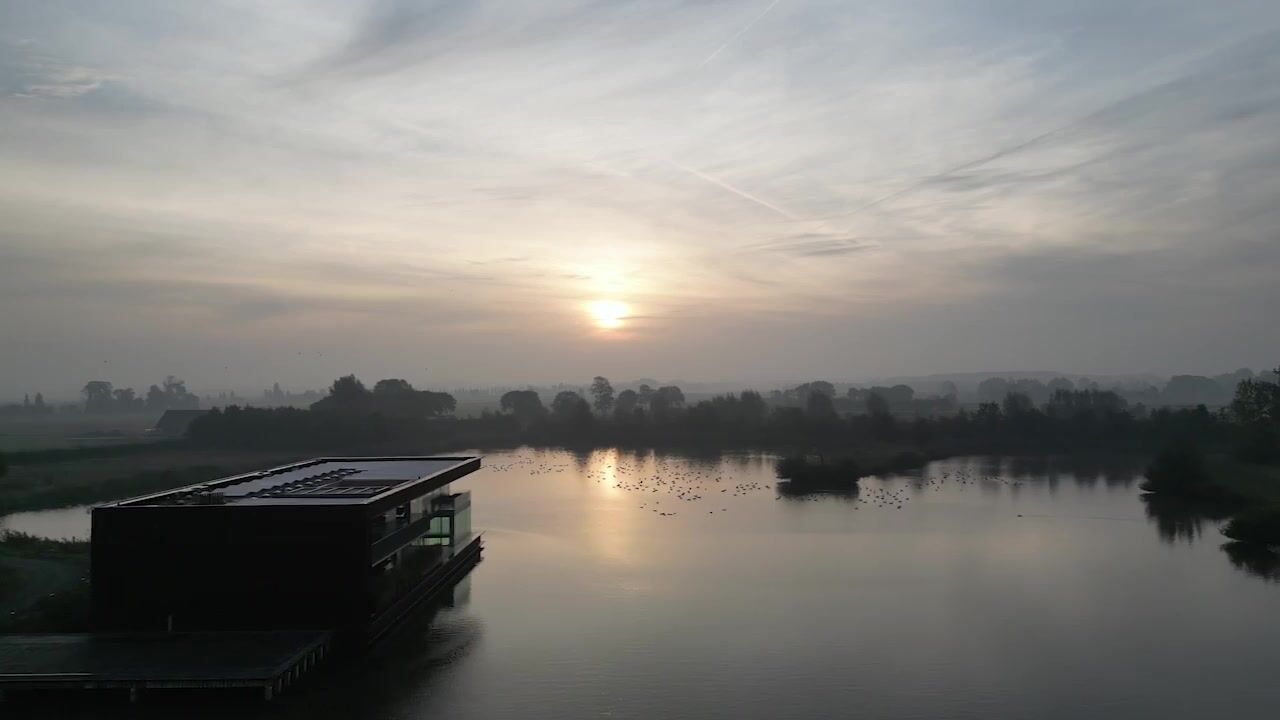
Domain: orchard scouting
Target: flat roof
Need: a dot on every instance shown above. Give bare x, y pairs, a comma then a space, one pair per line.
320, 481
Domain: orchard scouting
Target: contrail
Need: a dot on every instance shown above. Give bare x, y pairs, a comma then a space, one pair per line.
740, 193
961, 168
738, 34
1100, 112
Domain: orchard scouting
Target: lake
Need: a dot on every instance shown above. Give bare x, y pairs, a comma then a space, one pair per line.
976, 588
69, 523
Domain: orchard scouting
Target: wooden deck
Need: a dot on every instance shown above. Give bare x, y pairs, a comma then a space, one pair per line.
271, 661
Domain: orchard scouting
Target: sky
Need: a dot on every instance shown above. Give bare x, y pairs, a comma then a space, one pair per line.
470, 193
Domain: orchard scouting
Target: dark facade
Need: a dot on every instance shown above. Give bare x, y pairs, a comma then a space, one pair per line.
342, 544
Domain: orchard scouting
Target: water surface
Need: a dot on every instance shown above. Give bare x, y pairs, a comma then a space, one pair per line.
977, 588
69, 523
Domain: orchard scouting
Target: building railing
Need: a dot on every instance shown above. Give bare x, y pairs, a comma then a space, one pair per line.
405, 531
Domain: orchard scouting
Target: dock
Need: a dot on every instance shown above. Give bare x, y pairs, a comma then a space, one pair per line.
134, 662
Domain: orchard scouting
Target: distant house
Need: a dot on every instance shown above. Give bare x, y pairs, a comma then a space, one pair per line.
174, 423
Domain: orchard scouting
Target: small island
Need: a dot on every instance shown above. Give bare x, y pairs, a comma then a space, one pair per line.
801, 474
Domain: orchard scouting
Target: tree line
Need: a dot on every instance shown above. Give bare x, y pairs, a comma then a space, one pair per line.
101, 397
1068, 420
350, 415
28, 407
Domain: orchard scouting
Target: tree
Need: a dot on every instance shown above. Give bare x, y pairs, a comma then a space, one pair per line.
1194, 390
752, 407
156, 399
988, 414
800, 393
126, 400
525, 405
392, 386
1256, 406
434, 403
646, 394
569, 408
1256, 401
346, 395
97, 396
565, 403
666, 400
4, 466
625, 405
818, 406
1060, 383
173, 395
993, 389
1035, 390
900, 395
395, 397
1084, 404
877, 406
347, 390
1017, 404
1180, 470
602, 395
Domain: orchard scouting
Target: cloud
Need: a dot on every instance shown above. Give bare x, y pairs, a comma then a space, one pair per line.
30, 73
393, 33
805, 245
72, 82
879, 169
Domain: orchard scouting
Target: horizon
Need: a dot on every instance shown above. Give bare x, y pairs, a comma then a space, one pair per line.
696, 386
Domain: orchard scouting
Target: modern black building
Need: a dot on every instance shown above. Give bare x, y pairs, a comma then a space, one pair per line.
346, 544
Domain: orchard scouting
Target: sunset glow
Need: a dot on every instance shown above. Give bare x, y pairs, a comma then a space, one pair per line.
607, 314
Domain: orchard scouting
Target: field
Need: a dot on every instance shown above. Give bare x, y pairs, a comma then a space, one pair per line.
63, 430
78, 481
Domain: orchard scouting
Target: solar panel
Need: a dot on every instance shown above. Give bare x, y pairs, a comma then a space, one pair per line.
339, 488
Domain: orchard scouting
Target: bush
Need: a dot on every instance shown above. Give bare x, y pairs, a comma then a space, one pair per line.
1178, 470
25, 545
908, 460
1257, 526
801, 471
1260, 445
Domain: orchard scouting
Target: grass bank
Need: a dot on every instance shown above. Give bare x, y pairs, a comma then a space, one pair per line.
44, 584
1255, 484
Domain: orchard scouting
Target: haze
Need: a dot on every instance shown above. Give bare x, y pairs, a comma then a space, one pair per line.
504, 192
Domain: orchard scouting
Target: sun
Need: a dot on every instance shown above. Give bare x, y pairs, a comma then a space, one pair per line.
607, 314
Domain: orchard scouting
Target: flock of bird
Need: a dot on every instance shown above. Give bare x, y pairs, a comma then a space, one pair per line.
676, 483
666, 488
